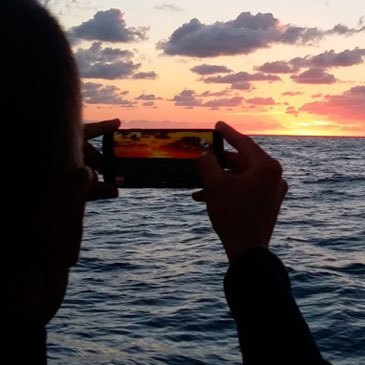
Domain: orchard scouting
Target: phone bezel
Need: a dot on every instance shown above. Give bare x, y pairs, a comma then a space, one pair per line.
108, 171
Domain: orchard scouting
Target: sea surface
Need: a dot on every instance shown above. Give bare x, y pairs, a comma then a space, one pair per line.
148, 288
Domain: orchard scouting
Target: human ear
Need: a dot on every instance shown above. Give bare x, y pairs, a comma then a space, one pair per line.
57, 242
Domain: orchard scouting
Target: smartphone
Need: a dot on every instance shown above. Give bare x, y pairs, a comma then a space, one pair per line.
157, 158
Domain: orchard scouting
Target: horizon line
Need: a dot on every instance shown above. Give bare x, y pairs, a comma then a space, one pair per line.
303, 135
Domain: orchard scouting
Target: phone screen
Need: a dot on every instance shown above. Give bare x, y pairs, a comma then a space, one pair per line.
139, 158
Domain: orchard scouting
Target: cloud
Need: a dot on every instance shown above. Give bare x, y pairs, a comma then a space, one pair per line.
240, 77
148, 100
147, 97
292, 93
168, 7
341, 29
292, 110
261, 101
224, 102
151, 75
186, 98
59, 7
331, 59
95, 93
361, 21
314, 76
108, 26
116, 70
347, 107
96, 53
243, 35
45, 3
209, 93
326, 59
244, 85
149, 103
276, 67
105, 63
302, 35
205, 69
189, 99
240, 80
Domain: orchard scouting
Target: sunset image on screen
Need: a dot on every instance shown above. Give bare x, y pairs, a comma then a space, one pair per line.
162, 144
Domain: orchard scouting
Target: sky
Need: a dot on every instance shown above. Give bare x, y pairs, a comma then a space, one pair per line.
263, 66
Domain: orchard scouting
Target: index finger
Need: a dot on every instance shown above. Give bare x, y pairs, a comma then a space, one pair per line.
245, 145
93, 130
210, 171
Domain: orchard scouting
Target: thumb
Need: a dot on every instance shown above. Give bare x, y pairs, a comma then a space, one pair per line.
199, 196
101, 190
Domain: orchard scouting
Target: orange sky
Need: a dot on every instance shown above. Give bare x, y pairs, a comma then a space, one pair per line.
265, 67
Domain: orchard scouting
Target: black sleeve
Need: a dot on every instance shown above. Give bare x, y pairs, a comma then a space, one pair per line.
23, 344
270, 326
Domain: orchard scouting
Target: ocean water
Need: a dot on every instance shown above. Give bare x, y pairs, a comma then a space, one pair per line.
148, 288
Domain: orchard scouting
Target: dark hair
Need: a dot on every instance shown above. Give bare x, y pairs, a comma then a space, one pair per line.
42, 91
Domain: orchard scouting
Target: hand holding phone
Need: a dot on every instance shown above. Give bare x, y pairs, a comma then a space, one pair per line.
93, 158
157, 158
243, 200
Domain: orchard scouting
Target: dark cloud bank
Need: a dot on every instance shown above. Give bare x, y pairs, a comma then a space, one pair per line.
105, 62
108, 26
243, 35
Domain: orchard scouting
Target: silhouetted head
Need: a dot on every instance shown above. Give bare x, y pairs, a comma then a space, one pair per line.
45, 183
42, 84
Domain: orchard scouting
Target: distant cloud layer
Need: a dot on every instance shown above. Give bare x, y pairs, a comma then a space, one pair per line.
95, 93
314, 76
261, 101
168, 7
292, 93
243, 35
108, 26
240, 77
186, 98
210, 69
276, 67
98, 53
189, 99
105, 63
150, 75
224, 102
147, 97
347, 107
323, 60
332, 59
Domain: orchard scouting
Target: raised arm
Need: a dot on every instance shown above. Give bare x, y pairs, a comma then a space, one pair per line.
243, 201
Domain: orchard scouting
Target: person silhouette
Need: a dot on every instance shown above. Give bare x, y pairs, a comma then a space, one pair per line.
46, 182
50, 174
